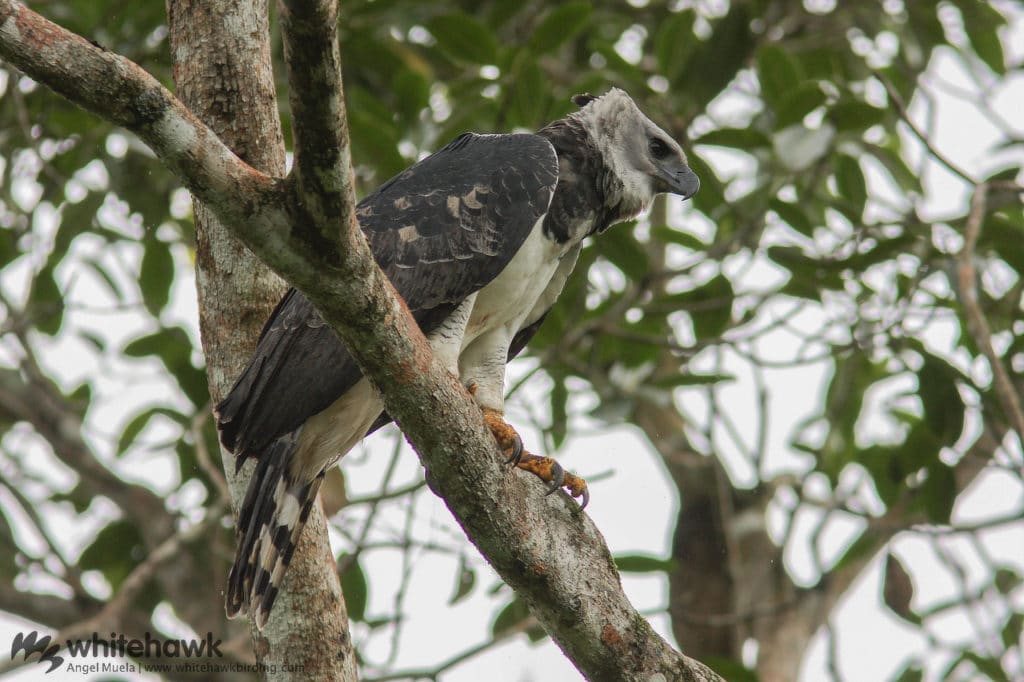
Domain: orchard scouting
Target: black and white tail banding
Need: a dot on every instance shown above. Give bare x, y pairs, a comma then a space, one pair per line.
270, 522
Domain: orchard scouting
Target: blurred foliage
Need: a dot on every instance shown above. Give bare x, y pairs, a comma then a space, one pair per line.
810, 208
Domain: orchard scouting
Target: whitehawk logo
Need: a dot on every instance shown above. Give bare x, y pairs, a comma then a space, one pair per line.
30, 645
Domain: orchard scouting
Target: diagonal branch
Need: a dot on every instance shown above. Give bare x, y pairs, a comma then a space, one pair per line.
554, 558
111, 616
977, 325
922, 137
121, 92
38, 402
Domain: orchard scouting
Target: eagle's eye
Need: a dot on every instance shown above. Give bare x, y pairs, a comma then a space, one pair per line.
659, 148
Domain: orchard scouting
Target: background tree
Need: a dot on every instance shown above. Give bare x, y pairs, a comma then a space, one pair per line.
814, 252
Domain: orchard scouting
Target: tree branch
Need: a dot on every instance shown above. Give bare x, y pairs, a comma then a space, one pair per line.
553, 557
111, 616
977, 326
922, 137
36, 401
323, 163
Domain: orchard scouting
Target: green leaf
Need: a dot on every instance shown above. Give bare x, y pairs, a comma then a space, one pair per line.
709, 305
1011, 632
560, 25
938, 493
901, 173
849, 115
644, 563
141, 421
374, 142
827, 62
117, 549
1007, 174
464, 38
528, 94
805, 282
156, 274
8, 247
990, 667
354, 587
920, 449
514, 613
982, 22
1007, 579
898, 589
716, 61
412, 94
535, 634
151, 344
911, 672
943, 406
710, 199
793, 215
173, 347
79, 497
778, 74
669, 235
623, 251
46, 304
79, 217
850, 181
736, 138
854, 374
887, 473
1003, 235
798, 103
464, 582
673, 43
81, 396
925, 26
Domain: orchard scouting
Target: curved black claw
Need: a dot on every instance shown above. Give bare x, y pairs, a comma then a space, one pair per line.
585, 501
557, 477
517, 451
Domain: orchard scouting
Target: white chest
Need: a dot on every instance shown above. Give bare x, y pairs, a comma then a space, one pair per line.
512, 295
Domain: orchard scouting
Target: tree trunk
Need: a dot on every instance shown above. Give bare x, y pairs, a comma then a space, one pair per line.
223, 72
729, 584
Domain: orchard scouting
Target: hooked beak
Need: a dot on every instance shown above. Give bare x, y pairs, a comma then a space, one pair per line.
677, 178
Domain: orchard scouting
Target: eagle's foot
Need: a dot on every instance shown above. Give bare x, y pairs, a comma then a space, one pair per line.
552, 473
507, 438
544, 468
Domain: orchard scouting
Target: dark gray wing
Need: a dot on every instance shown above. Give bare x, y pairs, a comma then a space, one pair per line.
440, 230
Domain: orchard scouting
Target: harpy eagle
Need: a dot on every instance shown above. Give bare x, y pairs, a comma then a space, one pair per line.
479, 239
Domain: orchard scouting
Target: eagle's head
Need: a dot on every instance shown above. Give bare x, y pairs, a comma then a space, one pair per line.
640, 155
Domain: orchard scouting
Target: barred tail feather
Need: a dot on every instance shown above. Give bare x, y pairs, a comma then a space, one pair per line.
270, 523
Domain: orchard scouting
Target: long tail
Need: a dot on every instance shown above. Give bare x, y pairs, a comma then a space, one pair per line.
270, 522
